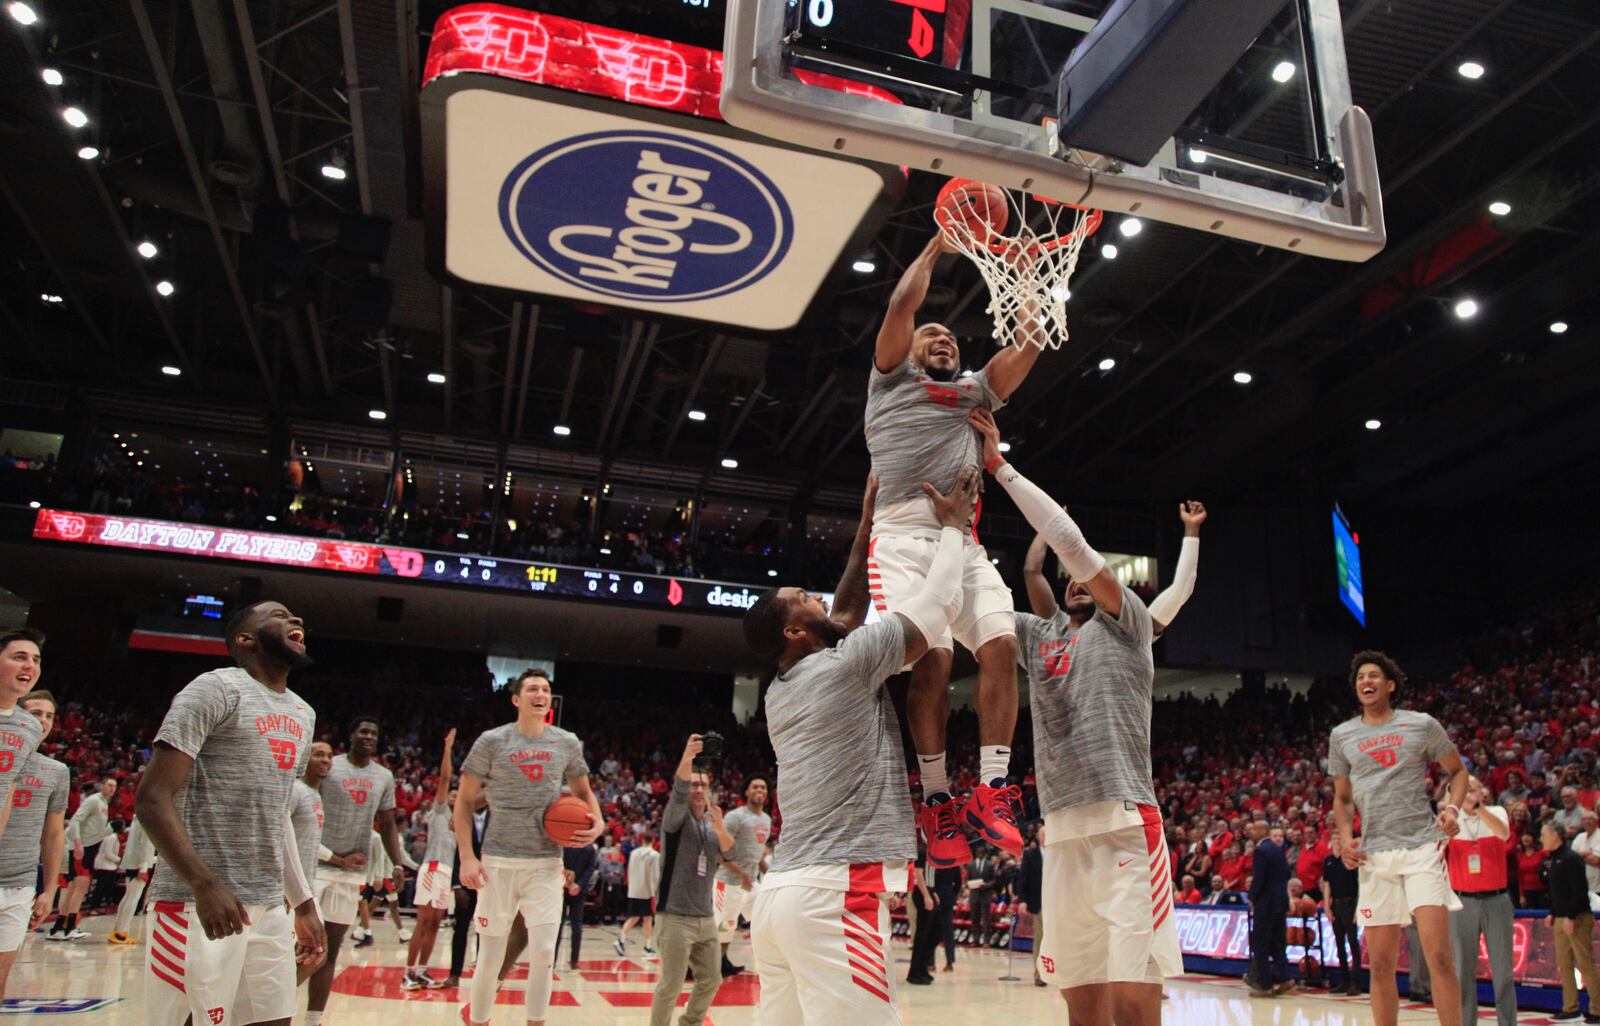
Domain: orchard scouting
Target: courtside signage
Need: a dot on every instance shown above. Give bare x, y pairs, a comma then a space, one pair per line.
552, 580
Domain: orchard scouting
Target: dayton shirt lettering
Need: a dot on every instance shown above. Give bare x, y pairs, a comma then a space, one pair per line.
20, 735
352, 797
1387, 764
521, 777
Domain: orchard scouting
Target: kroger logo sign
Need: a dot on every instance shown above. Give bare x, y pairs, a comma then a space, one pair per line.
646, 215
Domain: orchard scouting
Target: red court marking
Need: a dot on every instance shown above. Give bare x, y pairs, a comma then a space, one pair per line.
601, 976
742, 991
383, 982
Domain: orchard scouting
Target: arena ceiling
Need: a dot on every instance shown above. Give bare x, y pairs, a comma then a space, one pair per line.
214, 118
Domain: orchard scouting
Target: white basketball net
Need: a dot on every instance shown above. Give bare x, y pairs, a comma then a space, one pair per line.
1027, 271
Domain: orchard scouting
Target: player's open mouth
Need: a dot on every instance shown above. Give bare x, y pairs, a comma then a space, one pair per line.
1368, 691
297, 636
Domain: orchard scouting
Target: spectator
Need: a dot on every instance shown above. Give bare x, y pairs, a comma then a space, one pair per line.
1530, 873
1189, 893
981, 890
1340, 889
1573, 924
1570, 816
1587, 847
1477, 862
1269, 907
1030, 889
924, 920
946, 888
1221, 895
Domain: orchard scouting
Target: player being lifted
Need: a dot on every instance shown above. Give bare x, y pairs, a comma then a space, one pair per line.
916, 430
215, 799
1109, 936
521, 766
820, 932
1379, 764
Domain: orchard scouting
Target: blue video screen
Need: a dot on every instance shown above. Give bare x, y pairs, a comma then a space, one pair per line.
1347, 558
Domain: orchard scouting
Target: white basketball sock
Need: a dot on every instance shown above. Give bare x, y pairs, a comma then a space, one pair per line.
994, 763
934, 781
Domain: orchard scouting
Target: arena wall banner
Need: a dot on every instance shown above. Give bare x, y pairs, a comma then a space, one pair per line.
571, 160
553, 580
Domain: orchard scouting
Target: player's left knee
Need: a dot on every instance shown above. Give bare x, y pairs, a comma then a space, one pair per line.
999, 652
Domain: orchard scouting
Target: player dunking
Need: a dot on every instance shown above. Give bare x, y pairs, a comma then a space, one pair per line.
821, 927
36, 837
521, 766
1109, 933
306, 816
916, 429
356, 791
215, 799
1379, 764
434, 895
735, 892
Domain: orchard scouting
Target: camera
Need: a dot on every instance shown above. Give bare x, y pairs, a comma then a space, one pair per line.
710, 745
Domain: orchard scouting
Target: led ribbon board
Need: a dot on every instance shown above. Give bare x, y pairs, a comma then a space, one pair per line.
556, 164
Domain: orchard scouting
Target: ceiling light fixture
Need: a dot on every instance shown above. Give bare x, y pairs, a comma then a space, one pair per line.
172, 372
697, 415
1470, 69
1466, 309
1130, 227
51, 77
74, 117
147, 249
1107, 364
863, 267
1499, 208
1374, 424
436, 378
729, 463
1558, 327
1242, 377
1005, 446
165, 287
1109, 251
378, 414
87, 153
21, 13
562, 430
1283, 71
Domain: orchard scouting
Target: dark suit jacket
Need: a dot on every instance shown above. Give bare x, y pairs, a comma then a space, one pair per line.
1269, 879
1030, 879
585, 865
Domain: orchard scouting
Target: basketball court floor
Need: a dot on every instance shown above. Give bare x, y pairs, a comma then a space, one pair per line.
90, 983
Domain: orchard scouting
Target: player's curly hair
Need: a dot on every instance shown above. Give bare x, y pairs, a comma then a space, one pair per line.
354, 723
763, 626
1382, 661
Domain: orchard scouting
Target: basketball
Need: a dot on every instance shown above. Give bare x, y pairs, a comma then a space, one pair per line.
982, 208
564, 818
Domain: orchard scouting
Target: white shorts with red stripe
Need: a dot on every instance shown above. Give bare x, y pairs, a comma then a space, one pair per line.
433, 886
822, 955
729, 901
1107, 894
245, 978
897, 569
1396, 883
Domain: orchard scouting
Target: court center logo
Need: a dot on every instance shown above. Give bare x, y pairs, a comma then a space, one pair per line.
646, 215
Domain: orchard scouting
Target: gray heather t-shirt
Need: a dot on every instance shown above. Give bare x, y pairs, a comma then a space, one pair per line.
522, 776
689, 851
750, 831
1090, 695
917, 429
249, 744
20, 735
441, 837
42, 789
306, 816
352, 797
841, 765
1387, 764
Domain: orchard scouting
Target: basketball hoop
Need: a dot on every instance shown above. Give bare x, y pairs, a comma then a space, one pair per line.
1028, 273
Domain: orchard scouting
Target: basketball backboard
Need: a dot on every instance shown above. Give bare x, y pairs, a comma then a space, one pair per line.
1275, 152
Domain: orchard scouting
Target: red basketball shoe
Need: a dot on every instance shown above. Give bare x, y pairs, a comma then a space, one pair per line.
947, 845
991, 811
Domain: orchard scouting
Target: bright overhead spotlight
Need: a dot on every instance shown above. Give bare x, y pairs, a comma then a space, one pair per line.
863, 267
147, 249
1109, 251
435, 378
1466, 309
21, 13
165, 287
1499, 208
74, 117
378, 414
87, 153
463, 535
1060, 294
335, 172
51, 77
50, 297
34, 504
1283, 71
1558, 327
1130, 227
271, 519
171, 371
1470, 69
729, 463
1374, 424
562, 430
1107, 364
697, 414
772, 573
1197, 155
1242, 377
1005, 446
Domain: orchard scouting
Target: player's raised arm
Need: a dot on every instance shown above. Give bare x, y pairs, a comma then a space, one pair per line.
441, 794
1008, 368
852, 598
1084, 565
1164, 608
1041, 599
900, 321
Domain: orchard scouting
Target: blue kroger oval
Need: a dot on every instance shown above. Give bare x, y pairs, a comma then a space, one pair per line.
646, 215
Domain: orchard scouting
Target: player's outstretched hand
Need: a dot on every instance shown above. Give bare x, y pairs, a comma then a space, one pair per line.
585, 837
310, 937
1193, 514
983, 422
1353, 855
955, 509
221, 914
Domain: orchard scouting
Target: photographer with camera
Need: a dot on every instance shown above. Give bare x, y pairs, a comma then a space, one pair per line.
693, 843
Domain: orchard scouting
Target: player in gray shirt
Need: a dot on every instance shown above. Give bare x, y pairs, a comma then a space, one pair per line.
1379, 764
1109, 932
21, 667
36, 837
735, 893
307, 817
215, 799
521, 766
848, 832
916, 430
433, 895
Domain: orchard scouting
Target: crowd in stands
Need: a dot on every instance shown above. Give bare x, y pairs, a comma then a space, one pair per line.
1521, 706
